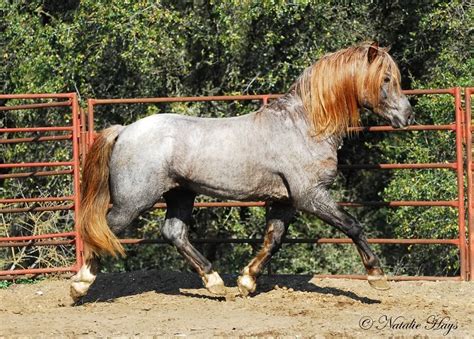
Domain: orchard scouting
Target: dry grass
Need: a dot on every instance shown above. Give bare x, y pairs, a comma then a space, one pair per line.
35, 223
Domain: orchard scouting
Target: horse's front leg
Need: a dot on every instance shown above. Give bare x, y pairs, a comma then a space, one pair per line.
320, 203
278, 217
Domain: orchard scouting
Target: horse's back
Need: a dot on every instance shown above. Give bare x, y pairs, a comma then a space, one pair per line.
241, 158
217, 157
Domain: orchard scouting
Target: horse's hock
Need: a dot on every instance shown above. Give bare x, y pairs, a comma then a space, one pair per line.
77, 133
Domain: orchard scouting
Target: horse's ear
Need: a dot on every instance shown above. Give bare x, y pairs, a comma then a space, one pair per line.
373, 52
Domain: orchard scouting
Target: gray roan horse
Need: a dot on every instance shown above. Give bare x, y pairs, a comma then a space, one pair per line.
284, 154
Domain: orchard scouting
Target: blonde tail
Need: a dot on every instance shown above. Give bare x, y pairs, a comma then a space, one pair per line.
95, 197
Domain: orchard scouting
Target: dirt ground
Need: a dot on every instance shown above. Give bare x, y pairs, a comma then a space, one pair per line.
155, 303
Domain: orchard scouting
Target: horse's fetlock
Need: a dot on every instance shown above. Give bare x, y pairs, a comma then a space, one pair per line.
373, 262
207, 268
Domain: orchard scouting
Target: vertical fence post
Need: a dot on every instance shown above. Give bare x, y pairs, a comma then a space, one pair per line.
460, 182
76, 133
90, 122
470, 215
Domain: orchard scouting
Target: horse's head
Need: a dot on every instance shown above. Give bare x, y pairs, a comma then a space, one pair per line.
335, 87
382, 93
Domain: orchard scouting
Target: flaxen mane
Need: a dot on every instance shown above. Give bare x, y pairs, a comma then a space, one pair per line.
332, 88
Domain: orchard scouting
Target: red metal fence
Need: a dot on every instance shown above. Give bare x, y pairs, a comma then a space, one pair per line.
460, 126
72, 165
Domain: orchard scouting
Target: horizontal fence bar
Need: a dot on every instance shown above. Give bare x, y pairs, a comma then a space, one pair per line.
450, 127
182, 99
438, 165
452, 203
36, 209
317, 276
221, 204
441, 203
38, 164
27, 200
248, 204
233, 97
40, 236
37, 271
447, 203
36, 139
38, 96
389, 277
342, 166
429, 91
454, 242
38, 243
34, 174
36, 106
35, 129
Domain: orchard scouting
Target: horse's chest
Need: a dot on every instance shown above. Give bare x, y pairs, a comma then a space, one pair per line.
322, 171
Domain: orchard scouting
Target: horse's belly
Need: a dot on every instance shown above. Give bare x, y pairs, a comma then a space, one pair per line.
272, 187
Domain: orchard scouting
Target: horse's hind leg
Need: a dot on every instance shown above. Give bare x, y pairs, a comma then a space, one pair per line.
118, 218
175, 229
278, 217
320, 203
83, 279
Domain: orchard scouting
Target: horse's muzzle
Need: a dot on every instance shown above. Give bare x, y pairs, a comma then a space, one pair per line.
403, 120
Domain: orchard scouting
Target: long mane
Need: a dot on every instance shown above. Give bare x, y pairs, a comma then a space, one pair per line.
332, 88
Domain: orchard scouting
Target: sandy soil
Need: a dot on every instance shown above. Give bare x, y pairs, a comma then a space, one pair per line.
149, 303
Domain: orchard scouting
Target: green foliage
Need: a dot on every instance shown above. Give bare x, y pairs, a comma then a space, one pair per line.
102, 49
7, 283
4, 284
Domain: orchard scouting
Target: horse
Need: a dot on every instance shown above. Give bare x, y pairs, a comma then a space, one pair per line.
285, 154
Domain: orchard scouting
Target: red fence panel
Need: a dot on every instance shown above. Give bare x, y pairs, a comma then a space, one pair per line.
457, 165
82, 138
33, 170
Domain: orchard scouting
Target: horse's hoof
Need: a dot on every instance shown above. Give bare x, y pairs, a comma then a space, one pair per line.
214, 283
81, 282
78, 290
217, 289
246, 285
379, 282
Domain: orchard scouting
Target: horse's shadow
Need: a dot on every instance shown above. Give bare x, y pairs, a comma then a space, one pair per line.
110, 286
302, 283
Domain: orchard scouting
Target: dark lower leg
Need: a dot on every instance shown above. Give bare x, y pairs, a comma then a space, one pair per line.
271, 243
325, 208
355, 232
178, 216
278, 217
175, 231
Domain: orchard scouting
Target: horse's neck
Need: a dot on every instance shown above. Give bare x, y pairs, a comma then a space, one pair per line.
291, 106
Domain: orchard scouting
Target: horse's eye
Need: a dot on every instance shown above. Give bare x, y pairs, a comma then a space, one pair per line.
386, 79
